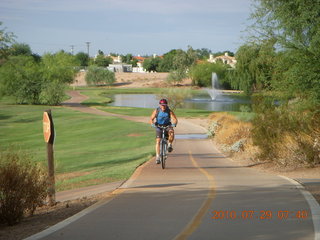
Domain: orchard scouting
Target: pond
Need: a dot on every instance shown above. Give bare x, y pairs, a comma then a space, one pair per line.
222, 102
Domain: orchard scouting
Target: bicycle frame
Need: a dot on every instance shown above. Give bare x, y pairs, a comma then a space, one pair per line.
163, 146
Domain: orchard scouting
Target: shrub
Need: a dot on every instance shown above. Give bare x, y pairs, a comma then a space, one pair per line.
22, 186
286, 134
227, 130
52, 93
97, 76
33, 82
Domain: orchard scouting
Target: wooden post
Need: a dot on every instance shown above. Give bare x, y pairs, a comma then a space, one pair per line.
48, 132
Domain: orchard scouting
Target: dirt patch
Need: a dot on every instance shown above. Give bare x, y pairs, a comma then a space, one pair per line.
66, 176
135, 135
46, 216
134, 80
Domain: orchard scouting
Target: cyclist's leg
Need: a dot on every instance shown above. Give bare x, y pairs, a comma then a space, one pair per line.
158, 146
171, 135
158, 139
171, 138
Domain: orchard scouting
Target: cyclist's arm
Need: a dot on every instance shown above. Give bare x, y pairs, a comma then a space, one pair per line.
173, 118
153, 116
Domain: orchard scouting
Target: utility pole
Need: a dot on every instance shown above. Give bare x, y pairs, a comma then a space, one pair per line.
88, 46
72, 48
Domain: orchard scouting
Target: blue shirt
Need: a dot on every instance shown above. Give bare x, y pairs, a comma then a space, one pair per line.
163, 118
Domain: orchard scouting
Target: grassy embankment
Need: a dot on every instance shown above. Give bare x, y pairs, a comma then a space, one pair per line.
89, 149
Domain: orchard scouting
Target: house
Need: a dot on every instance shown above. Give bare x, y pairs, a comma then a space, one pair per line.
226, 59
139, 67
116, 59
120, 67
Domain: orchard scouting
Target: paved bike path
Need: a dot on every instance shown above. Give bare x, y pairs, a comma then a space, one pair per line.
179, 202
186, 201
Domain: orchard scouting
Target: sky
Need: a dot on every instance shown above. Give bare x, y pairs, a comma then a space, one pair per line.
143, 27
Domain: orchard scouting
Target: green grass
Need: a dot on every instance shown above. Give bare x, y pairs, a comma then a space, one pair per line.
88, 150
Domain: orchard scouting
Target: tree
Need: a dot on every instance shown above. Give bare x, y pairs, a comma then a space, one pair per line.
203, 53
151, 64
37, 83
102, 61
255, 66
126, 58
17, 49
285, 47
184, 60
231, 54
6, 38
201, 74
295, 26
21, 78
166, 64
176, 76
59, 67
57, 71
83, 59
98, 76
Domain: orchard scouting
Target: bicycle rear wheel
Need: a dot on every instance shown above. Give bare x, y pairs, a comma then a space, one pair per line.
163, 154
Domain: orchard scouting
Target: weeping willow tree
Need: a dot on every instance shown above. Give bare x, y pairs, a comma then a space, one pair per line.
294, 29
281, 58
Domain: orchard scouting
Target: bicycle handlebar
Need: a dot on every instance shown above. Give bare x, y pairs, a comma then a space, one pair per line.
163, 127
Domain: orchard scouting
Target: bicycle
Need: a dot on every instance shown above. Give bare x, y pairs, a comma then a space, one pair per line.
163, 145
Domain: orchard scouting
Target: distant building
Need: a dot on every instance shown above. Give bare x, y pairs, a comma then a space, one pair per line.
120, 67
226, 59
116, 59
139, 68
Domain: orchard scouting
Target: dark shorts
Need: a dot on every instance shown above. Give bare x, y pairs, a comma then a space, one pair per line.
159, 132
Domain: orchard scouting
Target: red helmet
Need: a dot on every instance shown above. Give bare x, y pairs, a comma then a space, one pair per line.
163, 102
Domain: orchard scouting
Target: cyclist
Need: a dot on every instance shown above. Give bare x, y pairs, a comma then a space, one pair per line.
163, 116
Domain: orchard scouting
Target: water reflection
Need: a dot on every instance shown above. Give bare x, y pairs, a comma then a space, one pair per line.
203, 102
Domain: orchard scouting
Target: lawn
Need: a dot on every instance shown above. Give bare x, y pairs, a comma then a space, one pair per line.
88, 150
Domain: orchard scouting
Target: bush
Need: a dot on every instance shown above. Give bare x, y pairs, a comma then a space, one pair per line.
97, 76
228, 130
286, 134
31, 82
52, 93
22, 186
20, 77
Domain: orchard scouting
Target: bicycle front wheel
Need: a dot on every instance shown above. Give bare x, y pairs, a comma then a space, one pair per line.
163, 154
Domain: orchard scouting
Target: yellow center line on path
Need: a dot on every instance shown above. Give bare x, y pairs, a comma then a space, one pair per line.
197, 219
